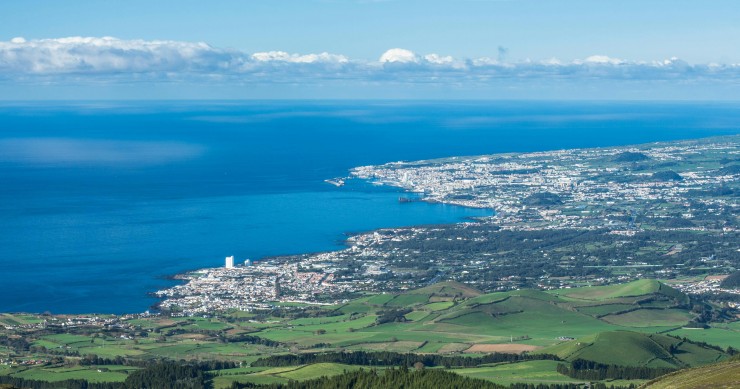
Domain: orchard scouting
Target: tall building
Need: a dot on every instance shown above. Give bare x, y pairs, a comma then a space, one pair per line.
230, 262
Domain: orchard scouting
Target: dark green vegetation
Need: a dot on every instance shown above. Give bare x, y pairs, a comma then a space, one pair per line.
594, 371
666, 175
505, 338
387, 358
732, 281
543, 199
403, 378
629, 156
388, 379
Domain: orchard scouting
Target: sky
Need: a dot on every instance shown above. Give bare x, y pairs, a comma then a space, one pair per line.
273, 49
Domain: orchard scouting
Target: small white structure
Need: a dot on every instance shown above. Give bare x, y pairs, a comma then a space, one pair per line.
247, 262
230, 262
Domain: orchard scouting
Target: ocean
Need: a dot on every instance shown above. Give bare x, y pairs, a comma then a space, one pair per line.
100, 202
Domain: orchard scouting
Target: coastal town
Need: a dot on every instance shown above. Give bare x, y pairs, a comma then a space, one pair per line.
616, 214
572, 188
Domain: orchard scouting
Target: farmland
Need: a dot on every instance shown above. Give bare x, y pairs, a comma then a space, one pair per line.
449, 319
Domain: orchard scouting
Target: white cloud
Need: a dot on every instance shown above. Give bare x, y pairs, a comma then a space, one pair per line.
399, 55
297, 58
110, 55
439, 60
603, 60
106, 59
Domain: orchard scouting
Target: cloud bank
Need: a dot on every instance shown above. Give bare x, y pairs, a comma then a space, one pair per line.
112, 60
72, 152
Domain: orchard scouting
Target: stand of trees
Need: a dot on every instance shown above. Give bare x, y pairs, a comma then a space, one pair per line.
251, 340
407, 379
389, 358
732, 281
169, 375
392, 378
588, 370
16, 382
17, 344
392, 315
94, 360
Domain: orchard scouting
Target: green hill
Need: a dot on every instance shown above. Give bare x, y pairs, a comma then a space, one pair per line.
717, 375
629, 156
451, 317
626, 348
631, 289
449, 289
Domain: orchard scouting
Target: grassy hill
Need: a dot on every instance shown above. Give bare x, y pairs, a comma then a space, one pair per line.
628, 348
449, 289
639, 288
719, 375
614, 325
451, 317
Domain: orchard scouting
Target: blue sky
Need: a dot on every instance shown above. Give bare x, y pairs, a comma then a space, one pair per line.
302, 48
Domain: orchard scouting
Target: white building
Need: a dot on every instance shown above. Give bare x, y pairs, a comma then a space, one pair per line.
230, 262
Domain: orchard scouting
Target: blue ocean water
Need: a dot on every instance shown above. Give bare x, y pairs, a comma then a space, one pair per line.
100, 201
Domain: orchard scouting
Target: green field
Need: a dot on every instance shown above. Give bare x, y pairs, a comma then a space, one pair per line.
89, 373
650, 318
438, 306
601, 293
280, 374
406, 300
523, 372
614, 324
716, 335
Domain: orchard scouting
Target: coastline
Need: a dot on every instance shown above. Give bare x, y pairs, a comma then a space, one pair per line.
533, 199
292, 262
347, 243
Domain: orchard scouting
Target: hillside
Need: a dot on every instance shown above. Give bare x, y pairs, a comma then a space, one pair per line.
628, 348
614, 325
718, 375
629, 156
449, 289
637, 288
451, 317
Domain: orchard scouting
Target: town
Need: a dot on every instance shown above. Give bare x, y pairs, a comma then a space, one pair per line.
562, 219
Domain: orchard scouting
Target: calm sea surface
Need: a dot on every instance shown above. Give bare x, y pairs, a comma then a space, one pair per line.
99, 202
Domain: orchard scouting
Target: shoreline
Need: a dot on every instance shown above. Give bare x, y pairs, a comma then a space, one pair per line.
561, 190
347, 242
